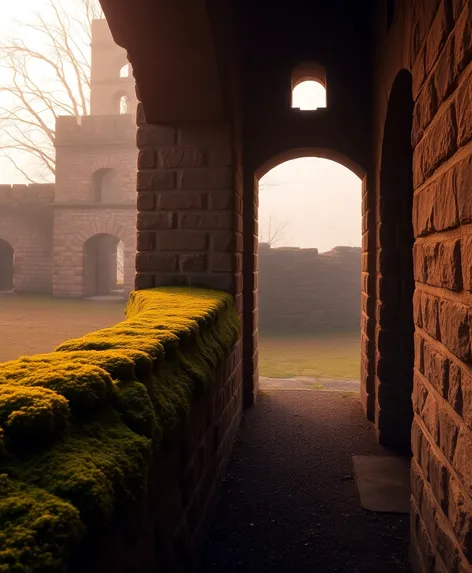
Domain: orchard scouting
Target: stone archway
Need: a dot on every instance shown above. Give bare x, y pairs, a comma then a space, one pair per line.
7, 264
395, 324
250, 270
101, 265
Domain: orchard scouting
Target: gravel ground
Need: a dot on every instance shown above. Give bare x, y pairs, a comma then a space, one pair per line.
290, 504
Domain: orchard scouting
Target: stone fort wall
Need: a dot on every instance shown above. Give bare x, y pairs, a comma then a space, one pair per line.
304, 290
94, 193
26, 225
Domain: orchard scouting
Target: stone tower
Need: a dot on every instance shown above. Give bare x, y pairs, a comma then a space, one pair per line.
95, 198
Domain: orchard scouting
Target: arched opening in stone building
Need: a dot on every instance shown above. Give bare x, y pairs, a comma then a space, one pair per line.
308, 84
124, 71
124, 104
395, 329
309, 273
103, 266
7, 264
104, 185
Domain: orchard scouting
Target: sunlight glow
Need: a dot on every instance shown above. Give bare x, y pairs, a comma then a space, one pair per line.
316, 201
123, 104
309, 95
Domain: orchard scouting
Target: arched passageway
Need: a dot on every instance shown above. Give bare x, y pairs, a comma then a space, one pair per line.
7, 258
395, 325
330, 167
103, 265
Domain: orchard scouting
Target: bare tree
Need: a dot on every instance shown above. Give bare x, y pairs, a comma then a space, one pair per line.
49, 77
274, 232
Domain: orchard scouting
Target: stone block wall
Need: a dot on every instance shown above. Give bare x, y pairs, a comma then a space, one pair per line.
442, 212
182, 485
432, 43
25, 224
189, 214
303, 290
72, 228
98, 142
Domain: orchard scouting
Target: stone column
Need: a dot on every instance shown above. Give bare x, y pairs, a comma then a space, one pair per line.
189, 212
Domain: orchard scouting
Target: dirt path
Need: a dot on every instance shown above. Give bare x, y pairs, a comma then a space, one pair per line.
290, 503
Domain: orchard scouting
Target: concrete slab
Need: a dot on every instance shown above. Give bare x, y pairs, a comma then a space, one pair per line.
383, 483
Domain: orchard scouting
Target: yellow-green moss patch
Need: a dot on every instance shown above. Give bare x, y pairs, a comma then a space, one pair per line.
38, 531
96, 409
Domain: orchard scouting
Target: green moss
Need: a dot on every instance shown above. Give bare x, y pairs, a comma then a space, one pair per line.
38, 531
31, 416
126, 387
85, 386
136, 408
100, 468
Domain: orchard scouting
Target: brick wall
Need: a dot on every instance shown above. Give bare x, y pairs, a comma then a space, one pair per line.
72, 228
302, 290
442, 398
25, 223
182, 485
82, 149
189, 213
433, 42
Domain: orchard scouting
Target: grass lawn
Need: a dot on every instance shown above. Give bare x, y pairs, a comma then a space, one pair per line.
330, 355
37, 324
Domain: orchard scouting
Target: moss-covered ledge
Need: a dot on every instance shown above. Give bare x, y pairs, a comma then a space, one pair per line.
79, 427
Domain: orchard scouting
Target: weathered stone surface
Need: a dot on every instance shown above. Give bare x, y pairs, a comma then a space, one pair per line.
425, 108
464, 111
178, 201
466, 399
156, 180
463, 39
435, 207
429, 415
455, 387
461, 462
463, 181
179, 157
438, 144
439, 263
460, 514
466, 256
206, 178
156, 221
182, 241
419, 348
430, 314
445, 74
437, 34
436, 369
448, 432
208, 221
455, 328
193, 263
156, 261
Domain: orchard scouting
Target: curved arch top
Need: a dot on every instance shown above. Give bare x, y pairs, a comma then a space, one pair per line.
308, 71
316, 152
105, 228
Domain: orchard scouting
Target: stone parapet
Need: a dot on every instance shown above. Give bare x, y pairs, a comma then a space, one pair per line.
304, 290
21, 194
96, 130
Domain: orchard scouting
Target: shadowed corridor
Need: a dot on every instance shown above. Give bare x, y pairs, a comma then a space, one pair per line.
290, 501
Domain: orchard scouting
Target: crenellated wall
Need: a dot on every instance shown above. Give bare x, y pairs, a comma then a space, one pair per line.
303, 290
